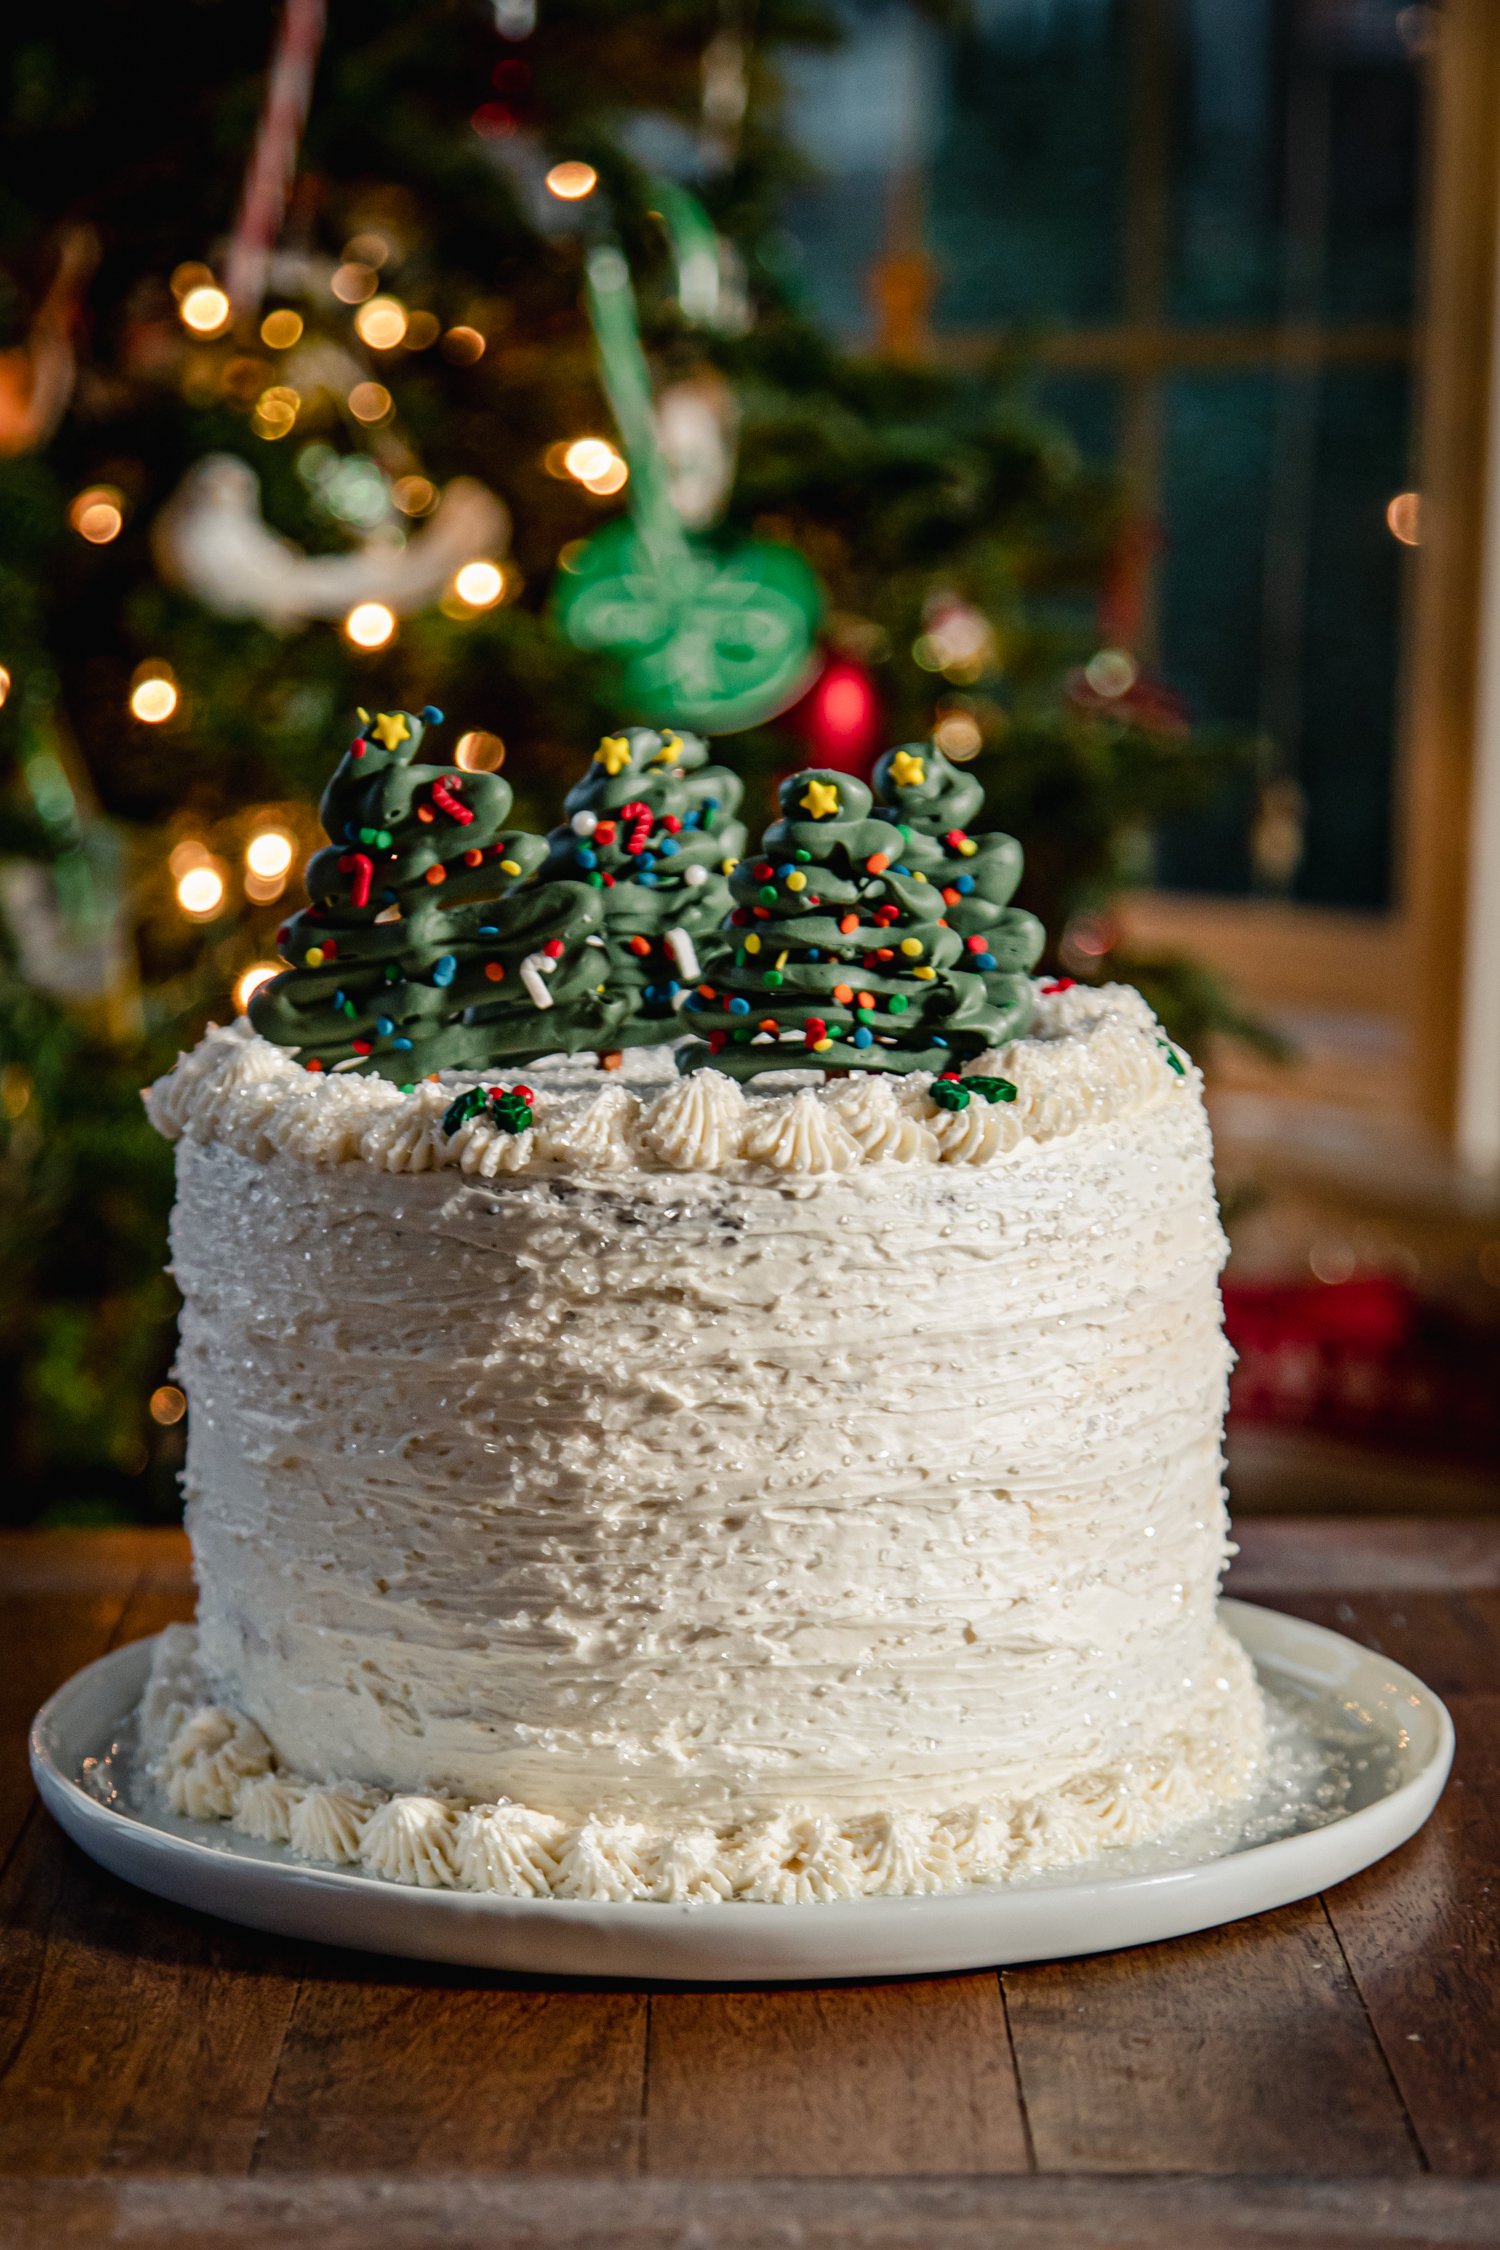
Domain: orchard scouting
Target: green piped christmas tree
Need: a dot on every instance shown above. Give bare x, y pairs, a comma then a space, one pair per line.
428, 944
933, 802
651, 827
843, 957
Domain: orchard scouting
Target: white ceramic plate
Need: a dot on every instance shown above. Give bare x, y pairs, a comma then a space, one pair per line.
1373, 1748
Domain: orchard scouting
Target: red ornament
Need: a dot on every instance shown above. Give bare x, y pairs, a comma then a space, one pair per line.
841, 717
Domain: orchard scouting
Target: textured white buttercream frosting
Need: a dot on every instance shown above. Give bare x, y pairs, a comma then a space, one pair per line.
742, 1488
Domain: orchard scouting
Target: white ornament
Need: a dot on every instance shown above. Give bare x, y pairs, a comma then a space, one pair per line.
212, 540
584, 823
695, 877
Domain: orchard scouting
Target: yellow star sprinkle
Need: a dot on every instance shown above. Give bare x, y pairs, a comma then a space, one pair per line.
820, 799
728, 866
907, 770
670, 746
391, 728
613, 754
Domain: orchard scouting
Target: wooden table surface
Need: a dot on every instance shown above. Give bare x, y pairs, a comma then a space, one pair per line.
1329, 2074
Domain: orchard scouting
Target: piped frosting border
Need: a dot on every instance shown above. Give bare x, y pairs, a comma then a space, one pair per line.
1094, 1055
212, 1763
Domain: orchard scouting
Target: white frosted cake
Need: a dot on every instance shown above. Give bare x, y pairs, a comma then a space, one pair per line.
707, 1492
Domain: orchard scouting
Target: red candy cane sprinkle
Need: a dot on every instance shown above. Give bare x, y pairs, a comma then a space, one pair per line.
360, 869
443, 796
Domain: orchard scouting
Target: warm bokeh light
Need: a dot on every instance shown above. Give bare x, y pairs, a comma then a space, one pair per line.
98, 514
153, 697
370, 625
587, 458
249, 981
463, 346
422, 329
1404, 518
354, 281
200, 891
1111, 672
957, 735
276, 411
610, 479
269, 852
381, 323
4, 686
167, 1405
205, 310
572, 181
369, 402
414, 496
281, 329
478, 752
366, 250
191, 275
480, 584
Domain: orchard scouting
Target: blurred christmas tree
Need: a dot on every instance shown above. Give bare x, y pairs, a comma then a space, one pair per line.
223, 525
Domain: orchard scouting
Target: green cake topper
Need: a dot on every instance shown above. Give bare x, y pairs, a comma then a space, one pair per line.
843, 954
934, 802
429, 944
651, 826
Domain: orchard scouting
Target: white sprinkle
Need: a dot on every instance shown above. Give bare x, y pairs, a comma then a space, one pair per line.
535, 970
680, 946
695, 876
584, 823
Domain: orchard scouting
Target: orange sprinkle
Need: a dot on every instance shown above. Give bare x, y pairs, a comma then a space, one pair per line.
850, 922
950, 898
877, 863
769, 1024
884, 953
843, 993
425, 812
473, 859
867, 999
640, 945
495, 971
707, 991
437, 874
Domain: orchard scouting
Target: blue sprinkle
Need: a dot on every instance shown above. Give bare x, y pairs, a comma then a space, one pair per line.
710, 805
488, 929
667, 846
696, 1001
339, 998
387, 898
864, 1037
402, 1046
692, 820
900, 870
351, 830
963, 884
673, 988
444, 971
814, 953
984, 960
788, 869
937, 1041
645, 859
432, 714
647, 878
739, 1007
586, 858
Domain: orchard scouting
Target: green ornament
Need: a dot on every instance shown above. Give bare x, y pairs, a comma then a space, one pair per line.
700, 636
948, 1094
993, 1089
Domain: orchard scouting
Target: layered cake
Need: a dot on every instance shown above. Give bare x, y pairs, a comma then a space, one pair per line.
772, 1467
